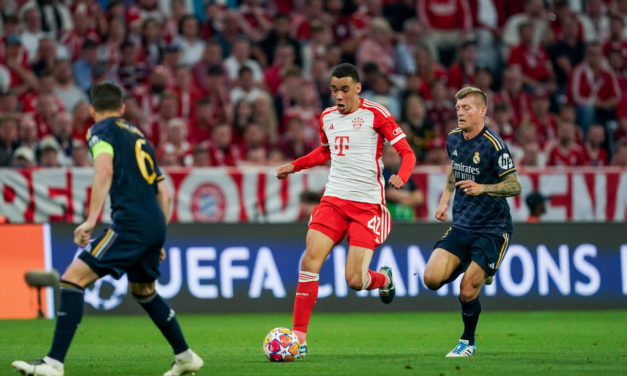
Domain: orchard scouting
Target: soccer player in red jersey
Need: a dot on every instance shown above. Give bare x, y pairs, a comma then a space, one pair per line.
352, 134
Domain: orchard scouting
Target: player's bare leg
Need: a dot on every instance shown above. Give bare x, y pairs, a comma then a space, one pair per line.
318, 248
75, 278
360, 277
441, 268
472, 281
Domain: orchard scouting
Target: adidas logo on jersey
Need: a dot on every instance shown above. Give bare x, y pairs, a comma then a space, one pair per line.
454, 153
331, 127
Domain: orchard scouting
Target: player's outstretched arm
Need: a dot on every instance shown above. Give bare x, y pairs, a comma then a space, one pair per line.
318, 156
101, 183
449, 188
509, 186
408, 161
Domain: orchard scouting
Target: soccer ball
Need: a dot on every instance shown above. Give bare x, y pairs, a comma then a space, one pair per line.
281, 345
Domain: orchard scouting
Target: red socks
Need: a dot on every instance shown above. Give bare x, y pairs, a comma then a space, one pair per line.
377, 280
306, 295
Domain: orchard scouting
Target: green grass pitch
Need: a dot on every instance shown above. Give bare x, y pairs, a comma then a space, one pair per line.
509, 343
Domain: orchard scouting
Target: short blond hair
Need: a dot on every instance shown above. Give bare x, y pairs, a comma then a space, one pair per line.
469, 90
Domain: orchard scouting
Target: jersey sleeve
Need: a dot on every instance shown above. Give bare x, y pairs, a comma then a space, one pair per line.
503, 162
100, 139
389, 129
324, 141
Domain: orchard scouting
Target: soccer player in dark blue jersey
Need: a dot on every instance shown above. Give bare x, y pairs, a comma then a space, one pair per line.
125, 168
482, 175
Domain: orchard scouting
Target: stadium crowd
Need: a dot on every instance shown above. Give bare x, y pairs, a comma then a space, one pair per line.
232, 83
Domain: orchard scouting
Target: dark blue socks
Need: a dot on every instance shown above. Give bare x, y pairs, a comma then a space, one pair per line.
164, 317
68, 317
470, 316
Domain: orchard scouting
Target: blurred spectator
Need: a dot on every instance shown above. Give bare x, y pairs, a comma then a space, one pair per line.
242, 116
254, 137
177, 145
278, 36
428, 69
9, 103
535, 14
445, 22
80, 154
566, 53
464, 71
283, 59
23, 157
535, 203
405, 47
83, 68
255, 156
513, 94
218, 93
620, 155
383, 93
533, 156
377, 47
192, 47
55, 16
84, 29
111, 49
566, 151
501, 122
223, 151
265, 115
304, 22
81, 121
212, 56
595, 149
186, 91
525, 134
31, 33
46, 56
440, 107
151, 42
202, 122
534, 62
415, 117
240, 58
15, 60
201, 156
66, 89
49, 154
293, 143
616, 61
254, 20
400, 202
616, 39
27, 132
8, 139
61, 138
541, 118
47, 106
168, 110
436, 152
596, 13
245, 87
594, 88
131, 72
316, 48
230, 33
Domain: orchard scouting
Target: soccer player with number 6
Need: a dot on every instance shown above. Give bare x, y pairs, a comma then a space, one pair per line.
352, 134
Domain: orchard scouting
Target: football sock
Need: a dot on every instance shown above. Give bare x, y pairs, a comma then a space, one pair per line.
306, 295
68, 317
164, 318
470, 316
377, 280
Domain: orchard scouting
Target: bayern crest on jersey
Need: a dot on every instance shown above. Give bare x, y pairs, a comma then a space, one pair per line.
358, 122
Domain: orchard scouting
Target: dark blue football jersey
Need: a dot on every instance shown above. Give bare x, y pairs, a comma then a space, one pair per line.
484, 159
133, 191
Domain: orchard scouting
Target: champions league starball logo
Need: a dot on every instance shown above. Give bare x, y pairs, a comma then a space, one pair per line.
106, 293
208, 203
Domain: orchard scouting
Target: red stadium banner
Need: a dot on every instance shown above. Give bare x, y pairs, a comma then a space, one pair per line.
255, 195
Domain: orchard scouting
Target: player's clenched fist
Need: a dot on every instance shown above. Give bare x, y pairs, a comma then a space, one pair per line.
440, 213
396, 182
283, 171
82, 233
